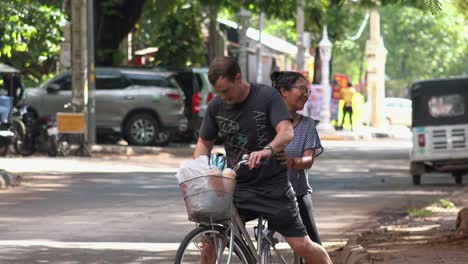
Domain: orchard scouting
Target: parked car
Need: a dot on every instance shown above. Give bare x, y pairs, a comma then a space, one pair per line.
440, 128
198, 92
143, 106
397, 111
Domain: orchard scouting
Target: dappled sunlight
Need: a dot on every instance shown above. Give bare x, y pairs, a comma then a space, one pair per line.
350, 169
350, 195
153, 247
108, 180
154, 187
44, 185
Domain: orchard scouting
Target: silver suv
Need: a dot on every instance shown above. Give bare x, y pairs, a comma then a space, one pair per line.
143, 106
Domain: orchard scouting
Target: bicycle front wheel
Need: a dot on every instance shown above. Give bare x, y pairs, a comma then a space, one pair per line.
210, 244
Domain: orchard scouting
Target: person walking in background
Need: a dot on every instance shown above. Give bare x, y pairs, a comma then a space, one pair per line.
300, 153
347, 96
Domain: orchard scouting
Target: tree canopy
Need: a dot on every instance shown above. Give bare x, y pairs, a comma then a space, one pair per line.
30, 33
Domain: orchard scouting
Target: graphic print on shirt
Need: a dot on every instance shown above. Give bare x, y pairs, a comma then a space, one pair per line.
260, 127
226, 125
230, 129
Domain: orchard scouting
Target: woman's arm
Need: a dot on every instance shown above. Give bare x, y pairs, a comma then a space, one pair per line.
305, 162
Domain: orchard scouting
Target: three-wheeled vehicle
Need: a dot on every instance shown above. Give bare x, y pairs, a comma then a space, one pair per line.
6, 107
440, 128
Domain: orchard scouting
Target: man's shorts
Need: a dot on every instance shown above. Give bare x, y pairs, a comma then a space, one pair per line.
277, 205
348, 109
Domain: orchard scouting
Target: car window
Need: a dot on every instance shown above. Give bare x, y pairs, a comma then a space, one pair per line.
450, 105
63, 82
110, 82
150, 80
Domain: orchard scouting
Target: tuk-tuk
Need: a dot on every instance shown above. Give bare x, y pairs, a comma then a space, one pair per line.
440, 128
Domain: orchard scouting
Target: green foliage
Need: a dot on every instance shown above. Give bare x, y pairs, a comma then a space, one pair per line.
420, 46
176, 31
444, 203
29, 37
413, 212
423, 46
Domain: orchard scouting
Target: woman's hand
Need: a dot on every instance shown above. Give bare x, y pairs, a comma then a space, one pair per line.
284, 160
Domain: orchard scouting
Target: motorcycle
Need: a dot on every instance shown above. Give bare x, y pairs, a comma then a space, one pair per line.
25, 124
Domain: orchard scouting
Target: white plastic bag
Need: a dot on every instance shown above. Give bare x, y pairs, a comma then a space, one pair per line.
191, 169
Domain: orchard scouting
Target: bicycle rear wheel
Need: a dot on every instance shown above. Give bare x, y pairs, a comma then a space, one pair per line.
209, 244
277, 251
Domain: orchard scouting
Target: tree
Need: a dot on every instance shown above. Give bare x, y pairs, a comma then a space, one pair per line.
30, 34
433, 46
420, 45
177, 34
113, 20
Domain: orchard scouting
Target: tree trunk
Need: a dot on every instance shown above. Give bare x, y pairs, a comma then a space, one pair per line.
215, 43
462, 223
113, 21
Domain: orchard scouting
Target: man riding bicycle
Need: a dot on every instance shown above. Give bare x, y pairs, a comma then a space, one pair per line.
253, 119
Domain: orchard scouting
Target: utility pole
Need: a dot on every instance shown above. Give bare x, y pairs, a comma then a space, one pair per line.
259, 48
300, 56
78, 55
243, 17
376, 57
91, 102
82, 65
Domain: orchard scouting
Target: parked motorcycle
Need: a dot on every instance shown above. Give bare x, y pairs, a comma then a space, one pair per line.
26, 127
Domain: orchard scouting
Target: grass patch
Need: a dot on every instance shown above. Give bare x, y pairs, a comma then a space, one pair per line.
413, 212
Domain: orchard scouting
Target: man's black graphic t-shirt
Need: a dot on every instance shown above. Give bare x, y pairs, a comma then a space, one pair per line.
247, 127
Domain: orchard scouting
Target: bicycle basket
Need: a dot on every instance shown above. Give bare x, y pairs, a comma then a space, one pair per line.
208, 198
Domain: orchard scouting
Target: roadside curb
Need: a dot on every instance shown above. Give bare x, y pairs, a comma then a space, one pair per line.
8, 179
140, 150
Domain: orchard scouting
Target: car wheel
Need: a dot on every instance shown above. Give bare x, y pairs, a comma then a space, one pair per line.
143, 129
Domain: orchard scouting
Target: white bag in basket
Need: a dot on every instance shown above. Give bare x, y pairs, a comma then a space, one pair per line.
190, 169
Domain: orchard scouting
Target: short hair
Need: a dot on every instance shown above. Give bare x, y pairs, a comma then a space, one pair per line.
225, 67
285, 79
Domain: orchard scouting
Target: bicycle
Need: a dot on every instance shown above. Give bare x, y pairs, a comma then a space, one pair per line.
223, 238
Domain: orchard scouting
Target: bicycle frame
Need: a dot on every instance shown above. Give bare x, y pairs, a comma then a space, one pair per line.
238, 229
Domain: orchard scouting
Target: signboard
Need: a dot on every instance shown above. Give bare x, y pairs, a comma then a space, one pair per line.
312, 107
71, 123
65, 54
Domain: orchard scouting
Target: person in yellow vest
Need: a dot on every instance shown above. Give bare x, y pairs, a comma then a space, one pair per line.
347, 96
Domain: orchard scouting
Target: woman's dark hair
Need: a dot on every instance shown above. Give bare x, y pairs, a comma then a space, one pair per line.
285, 79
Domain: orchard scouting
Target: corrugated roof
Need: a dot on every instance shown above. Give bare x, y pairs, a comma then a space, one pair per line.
268, 40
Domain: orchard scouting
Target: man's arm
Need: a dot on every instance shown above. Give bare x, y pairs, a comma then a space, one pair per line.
203, 147
284, 135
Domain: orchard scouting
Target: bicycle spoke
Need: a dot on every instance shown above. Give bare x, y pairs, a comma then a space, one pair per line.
209, 246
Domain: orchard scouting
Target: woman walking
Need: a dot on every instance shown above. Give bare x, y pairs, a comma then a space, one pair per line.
305, 146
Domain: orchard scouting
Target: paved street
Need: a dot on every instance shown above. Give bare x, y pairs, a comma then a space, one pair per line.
130, 210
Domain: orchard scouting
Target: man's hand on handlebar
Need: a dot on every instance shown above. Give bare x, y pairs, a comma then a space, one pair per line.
256, 157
